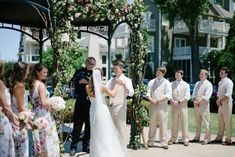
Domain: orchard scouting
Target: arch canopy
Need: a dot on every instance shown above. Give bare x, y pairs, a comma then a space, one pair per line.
29, 13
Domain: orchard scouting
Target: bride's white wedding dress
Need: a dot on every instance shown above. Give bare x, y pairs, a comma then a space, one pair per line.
105, 140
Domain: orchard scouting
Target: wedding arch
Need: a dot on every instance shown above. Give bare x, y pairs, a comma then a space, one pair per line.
68, 14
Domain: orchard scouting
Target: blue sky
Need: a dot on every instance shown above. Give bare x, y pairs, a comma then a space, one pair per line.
9, 44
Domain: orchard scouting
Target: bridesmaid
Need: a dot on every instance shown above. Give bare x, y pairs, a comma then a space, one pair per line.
19, 103
7, 148
45, 141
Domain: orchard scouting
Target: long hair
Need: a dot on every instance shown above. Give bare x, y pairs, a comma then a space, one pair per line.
1, 70
18, 74
33, 76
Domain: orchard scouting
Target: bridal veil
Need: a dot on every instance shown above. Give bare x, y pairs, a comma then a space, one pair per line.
105, 139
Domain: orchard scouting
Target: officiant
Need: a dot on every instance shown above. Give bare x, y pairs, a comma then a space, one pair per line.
82, 106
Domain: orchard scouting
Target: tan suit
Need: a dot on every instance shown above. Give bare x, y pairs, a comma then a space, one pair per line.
203, 89
158, 113
118, 104
225, 110
180, 92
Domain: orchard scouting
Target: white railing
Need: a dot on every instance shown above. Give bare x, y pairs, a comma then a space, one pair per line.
185, 52
31, 58
203, 26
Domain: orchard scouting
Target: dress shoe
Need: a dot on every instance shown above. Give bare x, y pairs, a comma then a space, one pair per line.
86, 149
171, 142
216, 141
186, 143
72, 152
149, 145
226, 143
205, 142
165, 147
194, 141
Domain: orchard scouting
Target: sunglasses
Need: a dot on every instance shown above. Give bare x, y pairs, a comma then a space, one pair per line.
92, 64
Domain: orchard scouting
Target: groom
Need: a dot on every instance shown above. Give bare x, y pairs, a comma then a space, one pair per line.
118, 104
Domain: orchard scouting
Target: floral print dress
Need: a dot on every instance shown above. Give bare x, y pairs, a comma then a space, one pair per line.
20, 135
45, 141
7, 148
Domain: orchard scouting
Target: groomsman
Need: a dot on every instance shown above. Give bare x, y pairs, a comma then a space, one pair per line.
201, 100
179, 102
118, 104
159, 92
225, 103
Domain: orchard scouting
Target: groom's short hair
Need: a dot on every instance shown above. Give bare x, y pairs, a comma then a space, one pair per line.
118, 63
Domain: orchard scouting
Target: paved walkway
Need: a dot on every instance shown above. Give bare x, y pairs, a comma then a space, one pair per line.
176, 150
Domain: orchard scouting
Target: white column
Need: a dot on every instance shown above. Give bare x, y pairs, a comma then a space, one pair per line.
223, 41
208, 41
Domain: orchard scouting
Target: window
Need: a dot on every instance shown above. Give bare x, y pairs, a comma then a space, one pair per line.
104, 71
36, 51
104, 59
151, 45
180, 42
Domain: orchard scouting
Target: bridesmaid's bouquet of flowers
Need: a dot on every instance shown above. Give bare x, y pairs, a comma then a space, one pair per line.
57, 103
41, 123
25, 116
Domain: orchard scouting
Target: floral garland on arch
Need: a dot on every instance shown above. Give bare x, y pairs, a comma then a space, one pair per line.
63, 13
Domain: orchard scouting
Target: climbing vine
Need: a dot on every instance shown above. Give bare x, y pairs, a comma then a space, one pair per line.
63, 14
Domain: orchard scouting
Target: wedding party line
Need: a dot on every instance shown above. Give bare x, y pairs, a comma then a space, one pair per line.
104, 121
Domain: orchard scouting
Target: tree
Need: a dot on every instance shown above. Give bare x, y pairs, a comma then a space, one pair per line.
76, 61
189, 12
8, 68
228, 56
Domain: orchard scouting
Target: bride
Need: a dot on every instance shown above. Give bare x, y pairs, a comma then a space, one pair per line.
105, 140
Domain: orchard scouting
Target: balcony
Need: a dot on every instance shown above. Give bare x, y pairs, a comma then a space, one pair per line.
205, 26
151, 25
183, 53
33, 58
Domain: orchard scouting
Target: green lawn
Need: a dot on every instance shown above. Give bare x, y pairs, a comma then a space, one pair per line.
214, 118
214, 122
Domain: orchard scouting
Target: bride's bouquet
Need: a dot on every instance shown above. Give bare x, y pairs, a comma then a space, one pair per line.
25, 116
40, 123
57, 103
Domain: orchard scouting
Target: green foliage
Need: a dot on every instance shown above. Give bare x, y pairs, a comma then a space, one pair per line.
170, 70
8, 68
111, 11
176, 9
47, 59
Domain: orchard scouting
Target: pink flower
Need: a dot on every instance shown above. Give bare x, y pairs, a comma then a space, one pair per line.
25, 116
41, 123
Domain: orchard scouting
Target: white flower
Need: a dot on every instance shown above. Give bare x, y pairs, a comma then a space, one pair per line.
25, 116
57, 103
41, 123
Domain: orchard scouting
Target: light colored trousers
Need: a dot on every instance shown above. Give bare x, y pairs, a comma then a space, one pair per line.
158, 114
225, 121
202, 113
179, 116
118, 113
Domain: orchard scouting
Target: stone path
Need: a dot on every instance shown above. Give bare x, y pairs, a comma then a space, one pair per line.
176, 150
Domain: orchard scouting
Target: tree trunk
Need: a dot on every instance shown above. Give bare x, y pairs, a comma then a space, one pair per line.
194, 54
